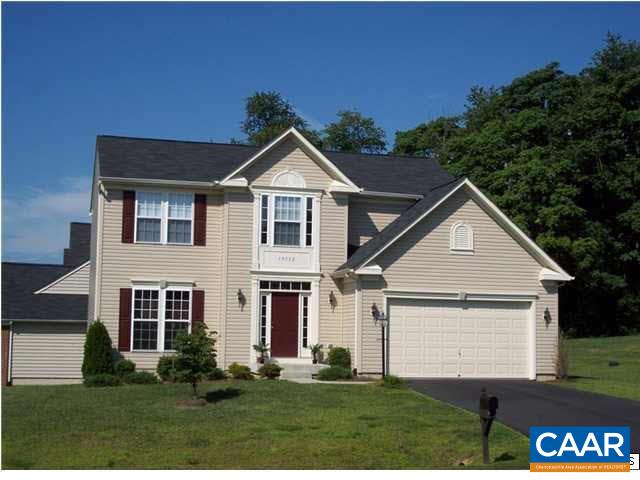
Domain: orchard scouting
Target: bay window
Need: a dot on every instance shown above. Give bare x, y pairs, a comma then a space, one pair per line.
158, 317
164, 217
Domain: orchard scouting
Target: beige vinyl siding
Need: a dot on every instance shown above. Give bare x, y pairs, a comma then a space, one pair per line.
367, 217
371, 342
93, 246
239, 234
75, 284
123, 262
43, 350
349, 315
420, 260
333, 253
287, 155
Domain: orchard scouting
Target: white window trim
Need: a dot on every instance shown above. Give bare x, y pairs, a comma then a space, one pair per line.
162, 292
302, 221
164, 218
452, 240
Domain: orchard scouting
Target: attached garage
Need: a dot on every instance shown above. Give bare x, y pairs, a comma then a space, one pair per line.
461, 339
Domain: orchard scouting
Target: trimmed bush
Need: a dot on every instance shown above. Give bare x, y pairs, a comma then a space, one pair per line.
216, 374
334, 373
195, 356
391, 381
340, 357
240, 372
123, 367
102, 380
140, 378
166, 368
97, 351
270, 370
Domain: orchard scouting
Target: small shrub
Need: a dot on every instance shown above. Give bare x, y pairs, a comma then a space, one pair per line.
195, 356
123, 367
340, 357
166, 368
270, 370
391, 381
240, 372
140, 378
102, 380
334, 373
614, 363
562, 358
97, 350
216, 374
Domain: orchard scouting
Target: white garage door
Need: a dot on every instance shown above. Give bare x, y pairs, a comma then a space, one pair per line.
442, 338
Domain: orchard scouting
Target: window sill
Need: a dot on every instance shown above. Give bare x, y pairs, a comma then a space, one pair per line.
165, 244
461, 252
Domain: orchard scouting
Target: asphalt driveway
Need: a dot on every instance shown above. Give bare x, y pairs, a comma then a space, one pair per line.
524, 404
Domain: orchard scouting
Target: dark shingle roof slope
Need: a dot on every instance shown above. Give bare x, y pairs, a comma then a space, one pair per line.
79, 244
396, 227
20, 280
127, 157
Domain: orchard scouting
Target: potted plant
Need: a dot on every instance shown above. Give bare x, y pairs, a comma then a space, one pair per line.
315, 351
261, 349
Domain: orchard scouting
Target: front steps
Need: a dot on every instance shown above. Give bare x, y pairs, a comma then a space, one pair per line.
294, 371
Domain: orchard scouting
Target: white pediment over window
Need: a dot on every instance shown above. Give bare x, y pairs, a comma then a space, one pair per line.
288, 178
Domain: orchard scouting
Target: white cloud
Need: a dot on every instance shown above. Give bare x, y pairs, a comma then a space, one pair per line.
35, 224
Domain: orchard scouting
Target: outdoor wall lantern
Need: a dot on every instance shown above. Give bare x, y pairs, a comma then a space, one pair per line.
381, 319
242, 300
333, 301
547, 316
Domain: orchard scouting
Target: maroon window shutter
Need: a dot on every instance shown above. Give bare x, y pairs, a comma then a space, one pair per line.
197, 309
200, 219
124, 325
128, 215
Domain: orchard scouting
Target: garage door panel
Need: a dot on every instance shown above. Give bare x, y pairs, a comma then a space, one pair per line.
459, 339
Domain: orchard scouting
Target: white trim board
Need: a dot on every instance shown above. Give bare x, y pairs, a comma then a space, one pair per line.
66, 275
500, 218
306, 145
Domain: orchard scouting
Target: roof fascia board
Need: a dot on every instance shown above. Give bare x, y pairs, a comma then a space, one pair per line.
305, 144
58, 280
156, 181
539, 254
370, 193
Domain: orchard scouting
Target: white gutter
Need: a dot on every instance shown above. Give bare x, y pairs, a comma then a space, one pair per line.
371, 193
157, 181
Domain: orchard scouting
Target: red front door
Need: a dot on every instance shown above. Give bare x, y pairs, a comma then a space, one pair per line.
284, 324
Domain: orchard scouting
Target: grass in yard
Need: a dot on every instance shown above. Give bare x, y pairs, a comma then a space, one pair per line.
249, 425
589, 366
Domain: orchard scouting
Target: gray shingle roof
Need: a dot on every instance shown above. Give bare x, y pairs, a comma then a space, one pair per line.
399, 224
20, 280
127, 157
79, 244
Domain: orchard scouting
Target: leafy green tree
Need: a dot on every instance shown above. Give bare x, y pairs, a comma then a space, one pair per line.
98, 351
560, 154
354, 133
268, 115
195, 356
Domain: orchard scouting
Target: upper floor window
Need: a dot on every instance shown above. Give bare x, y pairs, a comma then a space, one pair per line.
164, 217
286, 220
461, 238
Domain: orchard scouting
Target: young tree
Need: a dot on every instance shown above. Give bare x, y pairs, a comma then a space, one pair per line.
354, 132
268, 115
98, 357
195, 356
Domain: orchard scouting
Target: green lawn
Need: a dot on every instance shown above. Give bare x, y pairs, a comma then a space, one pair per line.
589, 366
260, 424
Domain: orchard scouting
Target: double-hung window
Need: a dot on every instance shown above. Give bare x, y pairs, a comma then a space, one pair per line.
164, 217
158, 317
287, 220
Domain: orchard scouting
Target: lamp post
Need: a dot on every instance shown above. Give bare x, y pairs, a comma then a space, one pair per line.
380, 318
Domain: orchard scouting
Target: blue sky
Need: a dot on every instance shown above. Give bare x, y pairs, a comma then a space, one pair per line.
72, 71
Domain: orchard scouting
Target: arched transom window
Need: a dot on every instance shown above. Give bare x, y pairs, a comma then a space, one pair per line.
461, 238
288, 178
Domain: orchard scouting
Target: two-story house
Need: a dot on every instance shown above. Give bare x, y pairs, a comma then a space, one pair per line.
292, 246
